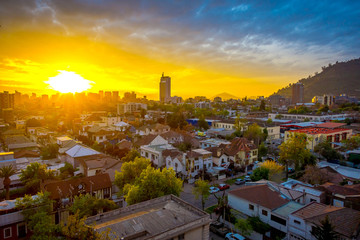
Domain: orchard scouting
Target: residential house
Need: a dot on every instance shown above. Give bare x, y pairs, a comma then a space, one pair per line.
316, 135
153, 129
12, 222
95, 164
74, 154
63, 192
17, 143
241, 151
121, 126
167, 217
341, 196
173, 137
198, 159
308, 192
345, 221
153, 151
220, 159
270, 206
311, 117
213, 142
175, 159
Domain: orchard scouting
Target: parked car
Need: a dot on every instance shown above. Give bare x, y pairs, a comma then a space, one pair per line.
223, 186
234, 236
219, 228
214, 189
291, 170
239, 181
247, 178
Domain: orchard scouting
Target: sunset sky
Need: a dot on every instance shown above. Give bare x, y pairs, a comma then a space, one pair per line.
245, 48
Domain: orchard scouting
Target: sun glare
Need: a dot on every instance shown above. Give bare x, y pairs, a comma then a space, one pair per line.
68, 82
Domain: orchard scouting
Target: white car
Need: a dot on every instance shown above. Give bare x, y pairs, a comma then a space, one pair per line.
247, 178
214, 189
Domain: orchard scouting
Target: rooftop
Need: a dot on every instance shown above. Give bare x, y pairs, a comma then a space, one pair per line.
331, 125
317, 130
150, 219
260, 194
80, 151
345, 171
287, 209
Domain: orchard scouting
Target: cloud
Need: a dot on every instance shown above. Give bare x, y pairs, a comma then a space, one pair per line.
281, 38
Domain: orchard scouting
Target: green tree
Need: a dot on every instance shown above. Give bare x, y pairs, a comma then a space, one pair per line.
324, 231
153, 183
254, 133
262, 151
352, 143
260, 173
50, 151
243, 226
131, 155
324, 148
34, 174
130, 171
240, 124
67, 171
262, 105
293, 151
201, 190
36, 212
75, 228
258, 225
203, 124
87, 205
6, 172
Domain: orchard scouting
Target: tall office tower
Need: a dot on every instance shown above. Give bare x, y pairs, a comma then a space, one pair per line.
297, 93
165, 88
115, 96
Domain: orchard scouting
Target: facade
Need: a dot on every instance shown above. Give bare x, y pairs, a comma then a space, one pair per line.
165, 88
198, 159
302, 221
316, 135
167, 217
297, 93
310, 117
326, 99
130, 107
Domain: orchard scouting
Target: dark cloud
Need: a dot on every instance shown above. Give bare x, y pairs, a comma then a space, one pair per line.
225, 34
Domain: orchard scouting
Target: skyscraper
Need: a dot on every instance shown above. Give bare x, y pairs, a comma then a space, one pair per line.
165, 88
297, 93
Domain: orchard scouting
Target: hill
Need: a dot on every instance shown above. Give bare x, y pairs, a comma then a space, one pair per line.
225, 96
338, 78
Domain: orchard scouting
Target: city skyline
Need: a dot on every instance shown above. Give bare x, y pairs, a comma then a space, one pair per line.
243, 48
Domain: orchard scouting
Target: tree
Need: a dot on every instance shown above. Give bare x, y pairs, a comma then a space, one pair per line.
254, 133
240, 124
314, 175
262, 105
260, 173
50, 151
201, 189
258, 225
274, 168
67, 170
203, 124
352, 143
75, 228
243, 226
262, 150
33, 123
324, 148
131, 155
87, 205
6, 172
130, 171
293, 151
153, 183
36, 212
34, 174
324, 231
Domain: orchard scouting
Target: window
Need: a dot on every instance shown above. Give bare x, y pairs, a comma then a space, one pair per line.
264, 212
312, 200
181, 237
7, 232
278, 220
297, 222
251, 207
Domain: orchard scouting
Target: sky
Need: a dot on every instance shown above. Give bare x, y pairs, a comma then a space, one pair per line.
245, 48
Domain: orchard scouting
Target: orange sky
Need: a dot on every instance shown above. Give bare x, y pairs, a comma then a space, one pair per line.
129, 52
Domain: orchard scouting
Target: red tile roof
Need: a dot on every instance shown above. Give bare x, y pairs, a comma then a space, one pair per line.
331, 125
239, 145
314, 209
318, 130
260, 194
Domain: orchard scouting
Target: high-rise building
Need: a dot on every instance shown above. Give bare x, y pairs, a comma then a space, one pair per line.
297, 93
165, 88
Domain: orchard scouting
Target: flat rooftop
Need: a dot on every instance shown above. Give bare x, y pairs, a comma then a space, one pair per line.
150, 219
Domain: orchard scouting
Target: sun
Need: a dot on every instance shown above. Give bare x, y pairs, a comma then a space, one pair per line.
69, 82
